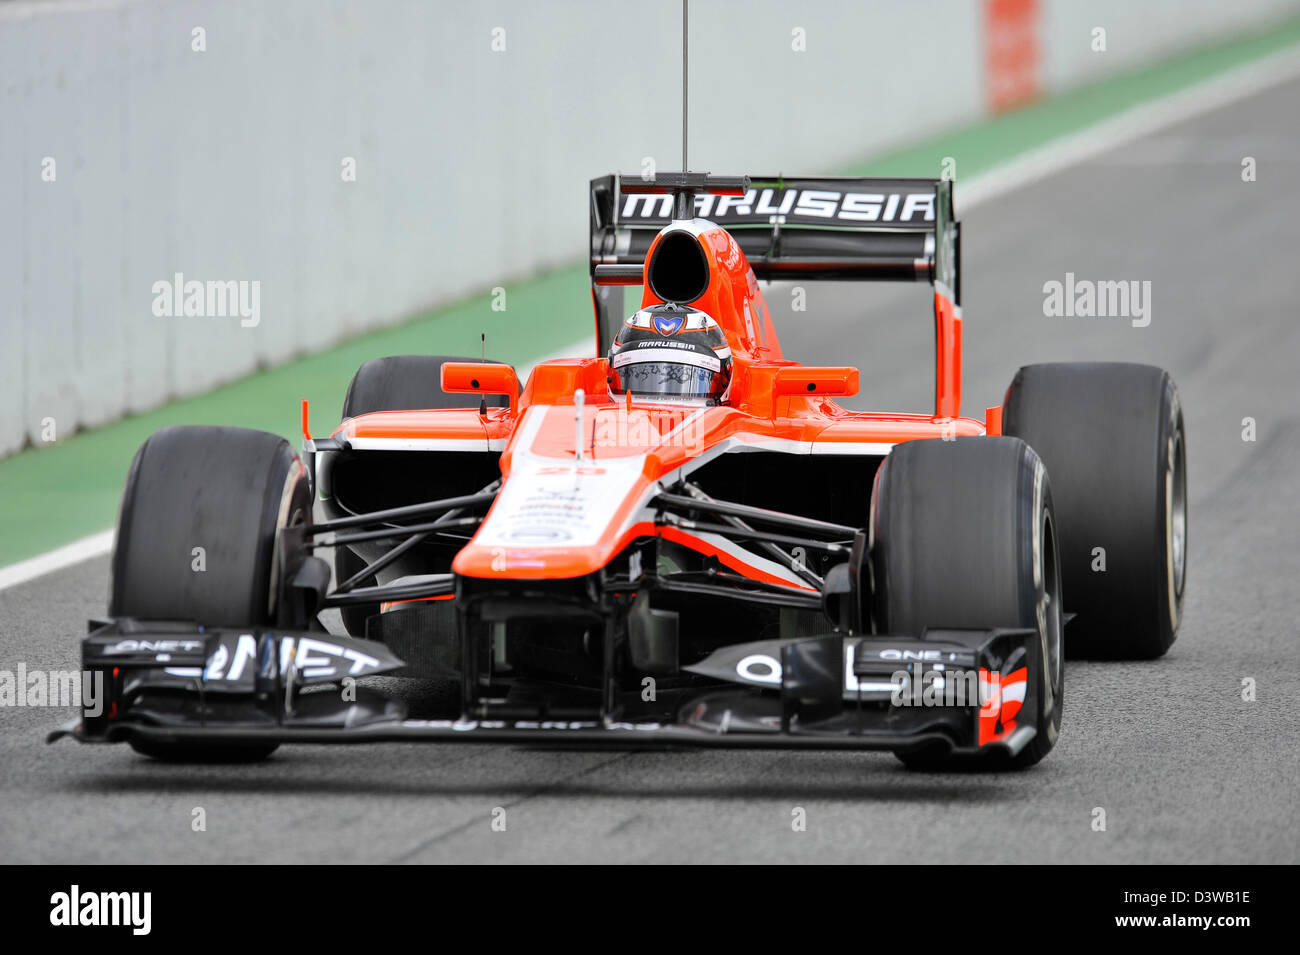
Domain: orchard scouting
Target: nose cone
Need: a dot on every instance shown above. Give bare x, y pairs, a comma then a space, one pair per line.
557, 516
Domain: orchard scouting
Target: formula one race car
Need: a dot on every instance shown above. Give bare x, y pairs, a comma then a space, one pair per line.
683, 541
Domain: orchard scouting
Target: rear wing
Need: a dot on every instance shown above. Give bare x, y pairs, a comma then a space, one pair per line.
797, 229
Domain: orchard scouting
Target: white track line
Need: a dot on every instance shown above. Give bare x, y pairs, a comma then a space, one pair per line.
95, 545
1133, 123
1029, 167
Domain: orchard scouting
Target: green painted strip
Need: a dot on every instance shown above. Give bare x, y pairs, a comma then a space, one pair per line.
51, 496
979, 148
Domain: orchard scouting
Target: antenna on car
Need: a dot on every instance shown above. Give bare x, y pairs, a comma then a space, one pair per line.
683, 186
685, 86
482, 357
684, 201
579, 397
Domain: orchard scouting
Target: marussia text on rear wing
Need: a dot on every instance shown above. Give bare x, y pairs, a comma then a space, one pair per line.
899, 230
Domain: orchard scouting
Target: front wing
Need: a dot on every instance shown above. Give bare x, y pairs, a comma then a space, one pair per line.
962, 691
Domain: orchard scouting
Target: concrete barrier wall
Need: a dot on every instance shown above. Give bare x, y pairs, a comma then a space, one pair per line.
128, 155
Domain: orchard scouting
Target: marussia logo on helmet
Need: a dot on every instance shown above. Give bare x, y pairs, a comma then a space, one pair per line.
667, 324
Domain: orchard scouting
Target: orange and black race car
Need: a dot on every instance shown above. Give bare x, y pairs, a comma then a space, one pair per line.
680, 541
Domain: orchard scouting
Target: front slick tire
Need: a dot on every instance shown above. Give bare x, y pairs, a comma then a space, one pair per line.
228, 491
206, 755
963, 536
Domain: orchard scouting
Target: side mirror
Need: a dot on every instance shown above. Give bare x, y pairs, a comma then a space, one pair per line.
812, 382
480, 378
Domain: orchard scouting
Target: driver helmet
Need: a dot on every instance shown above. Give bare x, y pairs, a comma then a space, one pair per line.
670, 352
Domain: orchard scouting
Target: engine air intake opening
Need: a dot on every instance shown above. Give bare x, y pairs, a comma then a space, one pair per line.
679, 271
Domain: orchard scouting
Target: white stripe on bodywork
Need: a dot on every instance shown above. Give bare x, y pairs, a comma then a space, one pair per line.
749, 558
790, 446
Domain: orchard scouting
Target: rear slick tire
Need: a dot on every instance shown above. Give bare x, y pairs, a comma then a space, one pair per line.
1111, 436
395, 383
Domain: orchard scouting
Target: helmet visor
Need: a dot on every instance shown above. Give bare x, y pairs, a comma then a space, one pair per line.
669, 379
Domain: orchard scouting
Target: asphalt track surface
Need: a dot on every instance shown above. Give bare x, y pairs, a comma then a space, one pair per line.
1184, 768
